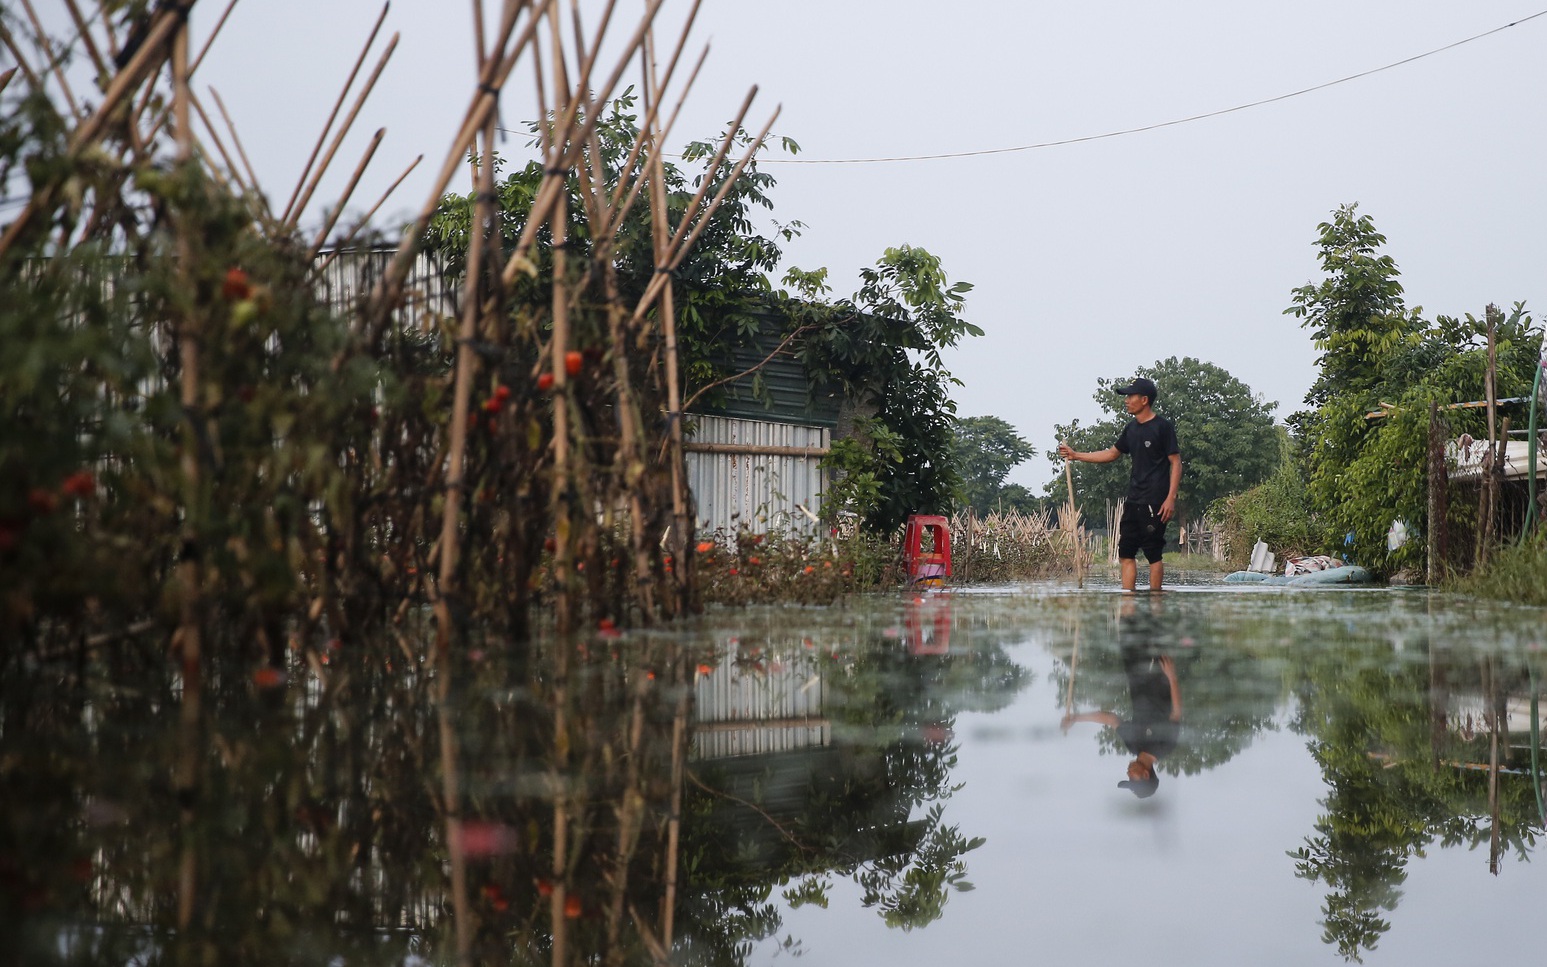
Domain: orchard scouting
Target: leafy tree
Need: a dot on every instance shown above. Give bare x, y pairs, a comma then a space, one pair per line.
1225, 430
1356, 315
882, 348
986, 449
1363, 472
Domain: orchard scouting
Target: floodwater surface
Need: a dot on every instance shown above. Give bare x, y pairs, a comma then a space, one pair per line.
1209, 775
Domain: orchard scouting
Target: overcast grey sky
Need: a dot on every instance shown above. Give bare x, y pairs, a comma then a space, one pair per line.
1089, 259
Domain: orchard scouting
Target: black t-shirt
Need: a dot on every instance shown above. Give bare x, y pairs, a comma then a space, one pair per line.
1151, 729
1151, 446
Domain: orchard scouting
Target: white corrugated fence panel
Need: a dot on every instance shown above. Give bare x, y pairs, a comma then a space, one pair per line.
753, 491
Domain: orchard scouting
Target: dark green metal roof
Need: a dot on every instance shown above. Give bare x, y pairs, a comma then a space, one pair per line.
780, 392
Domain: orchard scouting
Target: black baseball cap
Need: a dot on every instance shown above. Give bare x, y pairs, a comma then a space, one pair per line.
1143, 788
1140, 387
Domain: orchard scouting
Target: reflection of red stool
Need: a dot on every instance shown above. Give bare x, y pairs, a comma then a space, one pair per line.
929, 626
928, 568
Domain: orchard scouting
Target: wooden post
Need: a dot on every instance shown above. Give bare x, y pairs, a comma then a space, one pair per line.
1485, 482
1439, 494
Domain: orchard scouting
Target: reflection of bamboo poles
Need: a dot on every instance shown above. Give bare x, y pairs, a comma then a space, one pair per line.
1074, 664
1495, 844
679, 755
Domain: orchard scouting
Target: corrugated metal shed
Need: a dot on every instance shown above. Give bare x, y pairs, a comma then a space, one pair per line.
780, 391
349, 276
754, 475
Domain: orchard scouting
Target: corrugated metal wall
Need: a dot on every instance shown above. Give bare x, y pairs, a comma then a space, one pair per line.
756, 491
346, 278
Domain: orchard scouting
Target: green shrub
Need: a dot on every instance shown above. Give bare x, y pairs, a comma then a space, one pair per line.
1276, 512
1514, 573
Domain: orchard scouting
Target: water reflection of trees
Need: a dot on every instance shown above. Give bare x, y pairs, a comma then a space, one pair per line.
1415, 754
869, 806
577, 829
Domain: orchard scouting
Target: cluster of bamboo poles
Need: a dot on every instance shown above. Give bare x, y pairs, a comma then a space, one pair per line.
604, 451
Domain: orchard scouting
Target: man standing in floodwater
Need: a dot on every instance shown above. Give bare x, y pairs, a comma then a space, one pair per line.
1154, 477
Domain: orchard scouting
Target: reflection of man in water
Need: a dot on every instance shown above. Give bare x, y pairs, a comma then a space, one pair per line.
1151, 732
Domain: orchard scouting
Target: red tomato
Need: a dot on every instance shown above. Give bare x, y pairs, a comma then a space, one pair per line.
236, 286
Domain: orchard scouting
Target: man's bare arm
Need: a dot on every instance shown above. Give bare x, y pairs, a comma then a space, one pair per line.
1097, 456
1168, 509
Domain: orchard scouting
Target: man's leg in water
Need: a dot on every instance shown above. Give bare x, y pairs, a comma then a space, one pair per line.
1157, 575
1130, 570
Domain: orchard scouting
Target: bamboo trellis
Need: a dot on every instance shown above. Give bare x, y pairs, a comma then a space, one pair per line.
510, 489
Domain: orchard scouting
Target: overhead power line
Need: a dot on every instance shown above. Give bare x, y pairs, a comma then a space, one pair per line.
1157, 125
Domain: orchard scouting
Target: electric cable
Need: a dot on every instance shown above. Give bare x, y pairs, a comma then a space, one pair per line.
1158, 124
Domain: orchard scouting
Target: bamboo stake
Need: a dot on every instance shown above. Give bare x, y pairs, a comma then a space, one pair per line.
449, 543
1438, 497
563, 486
237, 142
478, 50
236, 174
349, 190
652, 113
107, 30
389, 288
293, 216
546, 193
54, 61
83, 30
189, 632
365, 220
682, 523
5, 78
338, 105
652, 291
162, 25
21, 62
210, 40
1485, 483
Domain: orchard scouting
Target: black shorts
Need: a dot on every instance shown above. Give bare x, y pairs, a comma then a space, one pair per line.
1141, 529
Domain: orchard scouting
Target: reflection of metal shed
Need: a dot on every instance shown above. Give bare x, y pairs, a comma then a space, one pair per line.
776, 708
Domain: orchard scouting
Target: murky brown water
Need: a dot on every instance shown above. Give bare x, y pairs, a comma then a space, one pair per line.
900, 780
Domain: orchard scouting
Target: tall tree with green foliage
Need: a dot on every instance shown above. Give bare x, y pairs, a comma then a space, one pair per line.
1356, 315
1225, 430
986, 449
